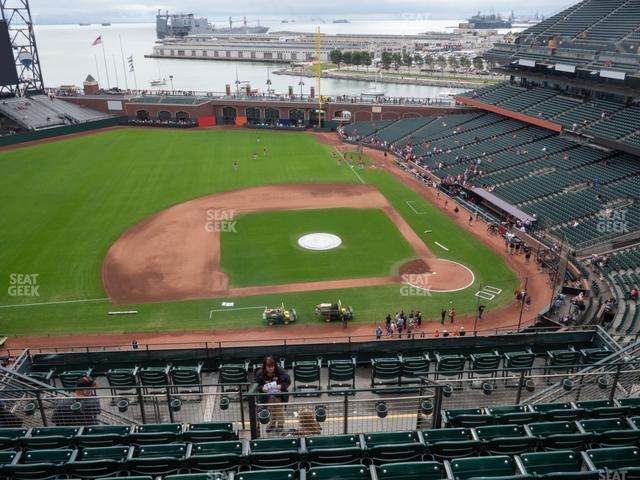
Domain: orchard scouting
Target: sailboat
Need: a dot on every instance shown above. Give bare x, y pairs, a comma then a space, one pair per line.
372, 90
160, 81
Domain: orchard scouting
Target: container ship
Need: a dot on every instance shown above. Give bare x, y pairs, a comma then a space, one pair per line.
181, 25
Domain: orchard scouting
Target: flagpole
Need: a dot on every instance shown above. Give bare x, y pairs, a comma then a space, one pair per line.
115, 68
124, 69
97, 69
104, 55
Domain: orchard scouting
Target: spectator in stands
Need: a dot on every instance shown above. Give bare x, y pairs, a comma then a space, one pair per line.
462, 332
633, 295
81, 409
273, 380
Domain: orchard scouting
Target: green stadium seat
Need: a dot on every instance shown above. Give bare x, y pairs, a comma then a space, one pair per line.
449, 366
50, 437
215, 456
278, 474
559, 435
99, 461
154, 379
186, 379
517, 414
209, 432
275, 453
602, 409
412, 471
448, 443
505, 439
499, 466
594, 355
233, 374
103, 435
389, 447
414, 367
333, 450
69, 378
7, 457
9, 437
156, 433
163, 459
632, 403
558, 411
40, 464
516, 362
466, 417
561, 360
196, 476
484, 364
341, 374
306, 377
342, 472
611, 432
385, 371
620, 459
44, 377
123, 381
556, 465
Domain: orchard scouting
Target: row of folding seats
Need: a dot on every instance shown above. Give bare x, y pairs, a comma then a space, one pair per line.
549, 412
112, 435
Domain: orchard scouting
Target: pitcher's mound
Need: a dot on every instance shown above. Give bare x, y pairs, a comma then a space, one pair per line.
414, 267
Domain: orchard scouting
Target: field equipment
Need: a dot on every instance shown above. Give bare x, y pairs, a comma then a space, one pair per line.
279, 315
334, 311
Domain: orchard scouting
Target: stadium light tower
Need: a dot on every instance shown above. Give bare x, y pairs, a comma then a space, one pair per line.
17, 14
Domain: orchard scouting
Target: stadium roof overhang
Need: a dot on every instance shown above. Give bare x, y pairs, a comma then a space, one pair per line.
502, 205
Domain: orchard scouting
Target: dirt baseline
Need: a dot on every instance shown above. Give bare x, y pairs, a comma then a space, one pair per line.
175, 254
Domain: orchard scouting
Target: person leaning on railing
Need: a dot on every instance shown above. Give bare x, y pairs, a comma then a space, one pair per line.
272, 379
81, 409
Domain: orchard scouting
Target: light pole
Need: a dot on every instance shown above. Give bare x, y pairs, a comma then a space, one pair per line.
301, 83
171, 80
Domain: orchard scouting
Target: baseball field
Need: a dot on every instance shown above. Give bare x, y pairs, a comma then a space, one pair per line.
163, 224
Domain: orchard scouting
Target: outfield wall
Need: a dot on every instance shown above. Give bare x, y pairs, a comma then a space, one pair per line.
60, 131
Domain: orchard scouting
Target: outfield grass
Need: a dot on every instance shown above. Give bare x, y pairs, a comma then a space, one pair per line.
264, 250
64, 203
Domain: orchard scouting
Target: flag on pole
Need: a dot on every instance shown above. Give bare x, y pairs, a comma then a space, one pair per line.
130, 62
97, 41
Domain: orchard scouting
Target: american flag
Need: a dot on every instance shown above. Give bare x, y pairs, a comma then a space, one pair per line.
97, 41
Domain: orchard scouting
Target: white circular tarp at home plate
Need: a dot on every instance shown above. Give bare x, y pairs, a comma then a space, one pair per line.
319, 241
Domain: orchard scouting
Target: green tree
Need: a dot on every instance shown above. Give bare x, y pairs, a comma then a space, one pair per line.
356, 58
428, 61
442, 63
465, 63
478, 64
453, 63
386, 59
347, 58
336, 57
407, 59
417, 60
366, 59
397, 60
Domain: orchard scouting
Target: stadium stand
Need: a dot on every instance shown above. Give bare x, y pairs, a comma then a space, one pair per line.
40, 112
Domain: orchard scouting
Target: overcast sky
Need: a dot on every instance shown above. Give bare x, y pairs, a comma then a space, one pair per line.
72, 11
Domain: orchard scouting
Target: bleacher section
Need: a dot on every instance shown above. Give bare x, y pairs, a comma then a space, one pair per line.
40, 112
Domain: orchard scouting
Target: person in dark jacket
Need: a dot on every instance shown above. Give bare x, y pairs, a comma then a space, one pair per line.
271, 380
81, 409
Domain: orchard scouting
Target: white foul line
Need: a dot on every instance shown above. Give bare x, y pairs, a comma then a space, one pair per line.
351, 167
409, 203
211, 312
53, 303
441, 246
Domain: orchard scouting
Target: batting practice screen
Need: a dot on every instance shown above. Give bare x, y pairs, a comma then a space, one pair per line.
8, 74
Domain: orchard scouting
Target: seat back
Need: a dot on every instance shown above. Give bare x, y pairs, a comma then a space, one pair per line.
122, 378
617, 458
543, 463
209, 432
412, 471
497, 466
277, 474
333, 450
